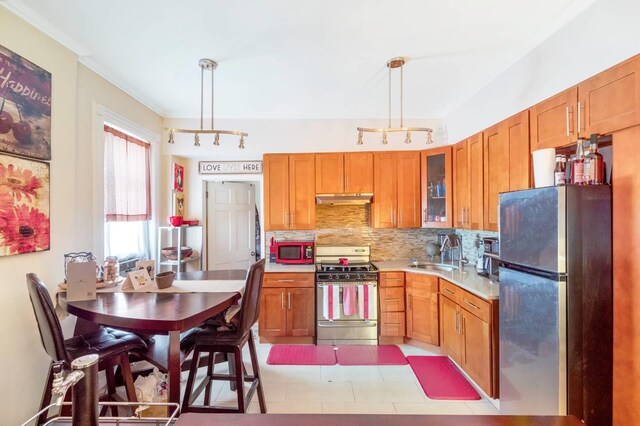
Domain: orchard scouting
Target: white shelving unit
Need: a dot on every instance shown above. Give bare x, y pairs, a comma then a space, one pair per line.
179, 236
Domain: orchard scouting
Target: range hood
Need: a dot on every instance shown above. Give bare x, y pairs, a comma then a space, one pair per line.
364, 198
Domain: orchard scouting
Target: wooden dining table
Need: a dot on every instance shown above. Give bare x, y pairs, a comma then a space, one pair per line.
158, 313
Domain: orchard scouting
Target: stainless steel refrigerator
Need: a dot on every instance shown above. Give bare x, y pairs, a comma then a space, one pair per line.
556, 309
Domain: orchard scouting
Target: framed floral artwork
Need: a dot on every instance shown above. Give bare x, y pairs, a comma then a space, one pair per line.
178, 177
24, 206
25, 107
178, 204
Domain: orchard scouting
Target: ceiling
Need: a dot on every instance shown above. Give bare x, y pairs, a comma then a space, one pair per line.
299, 59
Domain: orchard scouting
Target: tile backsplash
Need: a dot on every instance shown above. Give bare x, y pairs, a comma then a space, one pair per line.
349, 225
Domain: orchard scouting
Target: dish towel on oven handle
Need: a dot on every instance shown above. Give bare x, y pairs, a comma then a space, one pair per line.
330, 301
349, 300
366, 306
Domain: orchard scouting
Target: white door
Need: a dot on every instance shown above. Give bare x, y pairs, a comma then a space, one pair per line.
231, 226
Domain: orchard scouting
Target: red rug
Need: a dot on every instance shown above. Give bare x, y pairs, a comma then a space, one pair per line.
370, 355
441, 379
301, 355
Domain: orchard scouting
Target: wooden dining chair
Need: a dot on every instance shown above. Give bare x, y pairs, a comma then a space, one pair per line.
206, 339
112, 346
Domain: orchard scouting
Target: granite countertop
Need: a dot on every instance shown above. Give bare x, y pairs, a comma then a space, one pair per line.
278, 267
467, 278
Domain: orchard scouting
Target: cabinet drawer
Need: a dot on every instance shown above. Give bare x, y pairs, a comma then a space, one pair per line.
292, 279
391, 279
476, 306
422, 281
451, 291
392, 299
392, 324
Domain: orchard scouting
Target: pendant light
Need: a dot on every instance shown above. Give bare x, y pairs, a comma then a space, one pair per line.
207, 65
394, 63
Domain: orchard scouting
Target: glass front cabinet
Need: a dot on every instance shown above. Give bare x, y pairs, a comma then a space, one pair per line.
437, 188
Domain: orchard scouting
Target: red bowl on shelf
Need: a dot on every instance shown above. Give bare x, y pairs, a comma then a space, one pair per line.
176, 220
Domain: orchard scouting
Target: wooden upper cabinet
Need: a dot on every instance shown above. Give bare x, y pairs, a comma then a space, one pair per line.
553, 121
460, 183
302, 200
516, 130
475, 214
358, 172
437, 205
385, 190
610, 101
408, 210
276, 191
496, 174
289, 191
329, 173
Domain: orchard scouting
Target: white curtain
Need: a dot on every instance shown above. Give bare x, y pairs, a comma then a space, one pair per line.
127, 194
127, 198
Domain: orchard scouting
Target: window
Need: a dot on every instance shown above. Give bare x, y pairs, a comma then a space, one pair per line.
127, 201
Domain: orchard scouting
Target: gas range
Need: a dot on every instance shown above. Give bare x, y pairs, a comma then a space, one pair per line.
336, 272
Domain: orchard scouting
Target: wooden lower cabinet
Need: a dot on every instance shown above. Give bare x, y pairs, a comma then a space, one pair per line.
287, 312
468, 334
392, 306
422, 307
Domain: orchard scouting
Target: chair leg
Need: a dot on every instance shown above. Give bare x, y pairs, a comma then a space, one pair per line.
239, 379
195, 363
210, 367
128, 381
256, 372
46, 395
111, 388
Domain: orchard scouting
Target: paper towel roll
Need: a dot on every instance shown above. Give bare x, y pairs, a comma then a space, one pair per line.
544, 164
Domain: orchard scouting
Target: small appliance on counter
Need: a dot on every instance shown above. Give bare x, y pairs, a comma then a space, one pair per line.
490, 258
294, 252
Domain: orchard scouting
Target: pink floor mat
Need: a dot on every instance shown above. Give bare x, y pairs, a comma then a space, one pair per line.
301, 355
370, 355
441, 379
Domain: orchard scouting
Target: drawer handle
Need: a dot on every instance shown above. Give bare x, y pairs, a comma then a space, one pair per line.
449, 291
285, 281
471, 304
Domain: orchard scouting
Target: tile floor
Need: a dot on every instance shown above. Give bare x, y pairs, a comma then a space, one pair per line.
346, 389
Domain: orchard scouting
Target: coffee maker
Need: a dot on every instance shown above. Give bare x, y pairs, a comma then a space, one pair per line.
490, 257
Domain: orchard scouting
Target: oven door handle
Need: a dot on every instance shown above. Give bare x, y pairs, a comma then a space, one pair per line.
338, 323
345, 284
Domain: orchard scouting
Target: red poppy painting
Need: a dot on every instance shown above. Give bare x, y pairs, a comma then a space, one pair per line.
24, 206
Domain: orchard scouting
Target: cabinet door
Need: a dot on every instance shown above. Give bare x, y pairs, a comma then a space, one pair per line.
300, 312
496, 174
385, 190
422, 309
358, 172
553, 121
273, 315
450, 337
475, 213
516, 130
461, 184
276, 192
476, 360
329, 173
302, 191
437, 205
610, 101
408, 213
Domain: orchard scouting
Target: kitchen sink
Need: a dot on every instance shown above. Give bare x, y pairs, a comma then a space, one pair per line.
434, 266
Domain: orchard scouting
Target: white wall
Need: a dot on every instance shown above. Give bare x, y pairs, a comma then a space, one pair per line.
603, 35
74, 90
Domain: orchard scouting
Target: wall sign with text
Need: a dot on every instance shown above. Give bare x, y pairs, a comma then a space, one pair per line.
229, 167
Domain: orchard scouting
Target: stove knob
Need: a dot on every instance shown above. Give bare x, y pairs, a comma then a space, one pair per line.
346, 277
330, 277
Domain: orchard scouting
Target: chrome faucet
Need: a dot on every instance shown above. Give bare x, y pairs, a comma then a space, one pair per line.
452, 242
62, 383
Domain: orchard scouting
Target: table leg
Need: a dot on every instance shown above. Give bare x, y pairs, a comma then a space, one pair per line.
174, 366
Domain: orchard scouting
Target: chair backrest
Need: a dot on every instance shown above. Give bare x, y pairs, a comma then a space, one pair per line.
48, 323
250, 307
